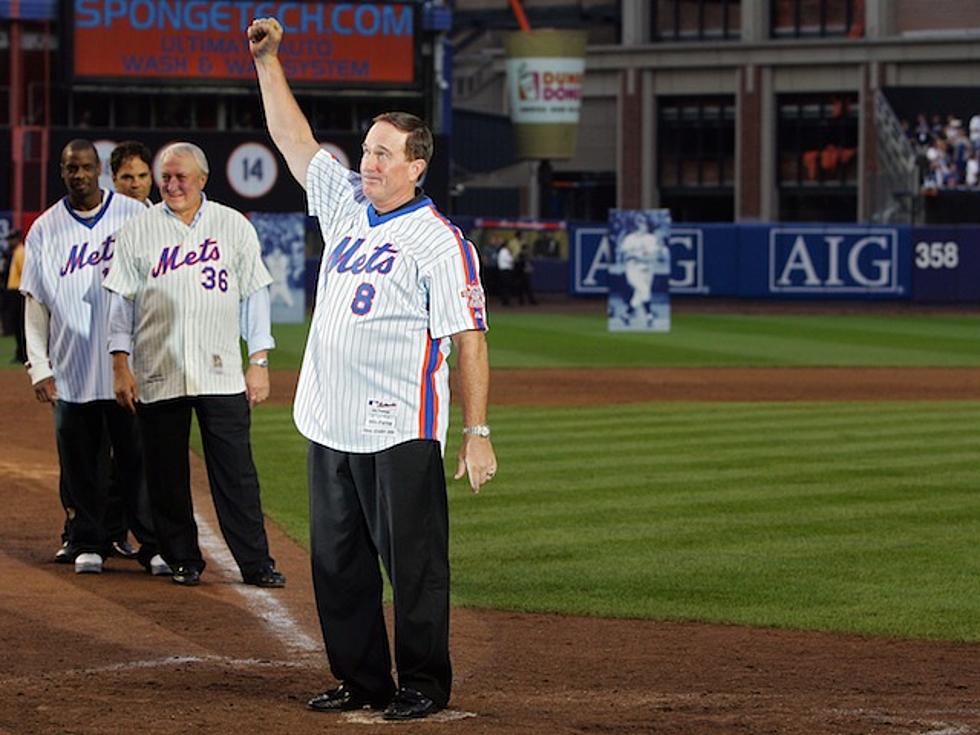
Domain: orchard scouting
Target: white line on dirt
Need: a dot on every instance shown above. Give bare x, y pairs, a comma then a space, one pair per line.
262, 603
168, 662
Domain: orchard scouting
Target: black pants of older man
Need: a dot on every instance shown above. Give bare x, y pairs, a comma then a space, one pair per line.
225, 423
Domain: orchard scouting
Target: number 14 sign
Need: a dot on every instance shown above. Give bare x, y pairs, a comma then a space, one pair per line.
252, 170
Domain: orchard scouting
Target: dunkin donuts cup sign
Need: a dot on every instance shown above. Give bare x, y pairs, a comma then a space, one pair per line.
545, 70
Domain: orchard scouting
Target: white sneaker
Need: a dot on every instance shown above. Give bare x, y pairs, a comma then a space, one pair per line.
158, 567
88, 563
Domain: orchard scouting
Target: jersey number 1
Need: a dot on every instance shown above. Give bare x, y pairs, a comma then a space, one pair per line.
363, 299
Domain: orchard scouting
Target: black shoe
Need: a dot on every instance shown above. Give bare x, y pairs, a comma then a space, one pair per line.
124, 549
65, 554
409, 704
342, 699
267, 577
185, 575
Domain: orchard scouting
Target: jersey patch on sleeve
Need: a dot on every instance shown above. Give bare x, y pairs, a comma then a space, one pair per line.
474, 296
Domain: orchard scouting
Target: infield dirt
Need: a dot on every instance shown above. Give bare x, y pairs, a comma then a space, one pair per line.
125, 652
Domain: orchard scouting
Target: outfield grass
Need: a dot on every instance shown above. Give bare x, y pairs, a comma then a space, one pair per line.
528, 340
858, 517
523, 340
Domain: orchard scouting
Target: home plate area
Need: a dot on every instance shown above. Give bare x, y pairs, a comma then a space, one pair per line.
373, 717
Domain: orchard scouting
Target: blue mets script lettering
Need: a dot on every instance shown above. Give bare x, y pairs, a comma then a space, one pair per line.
171, 260
346, 259
79, 257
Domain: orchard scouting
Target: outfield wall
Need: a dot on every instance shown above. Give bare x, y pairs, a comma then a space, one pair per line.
927, 264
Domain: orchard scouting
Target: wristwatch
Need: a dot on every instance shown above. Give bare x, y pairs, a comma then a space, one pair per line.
262, 362
478, 430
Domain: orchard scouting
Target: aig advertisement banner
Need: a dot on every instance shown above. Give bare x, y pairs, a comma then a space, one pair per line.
691, 272
759, 261
831, 261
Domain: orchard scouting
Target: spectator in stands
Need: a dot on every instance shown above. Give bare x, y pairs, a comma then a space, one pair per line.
523, 270
947, 154
505, 269
973, 170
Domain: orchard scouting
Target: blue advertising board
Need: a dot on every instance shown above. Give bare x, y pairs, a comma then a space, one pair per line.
691, 272
766, 261
946, 264
831, 261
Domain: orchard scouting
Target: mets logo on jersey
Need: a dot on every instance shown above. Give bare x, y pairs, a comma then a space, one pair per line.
348, 258
475, 298
171, 258
80, 256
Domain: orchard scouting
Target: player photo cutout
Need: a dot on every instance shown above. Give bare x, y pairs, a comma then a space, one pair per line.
283, 239
639, 293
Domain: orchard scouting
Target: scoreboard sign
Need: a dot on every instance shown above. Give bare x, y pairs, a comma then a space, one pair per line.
353, 42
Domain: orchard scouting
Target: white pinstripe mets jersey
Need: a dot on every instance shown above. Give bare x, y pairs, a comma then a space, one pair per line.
65, 260
391, 291
187, 283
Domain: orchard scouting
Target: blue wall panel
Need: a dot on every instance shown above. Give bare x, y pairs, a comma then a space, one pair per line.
773, 261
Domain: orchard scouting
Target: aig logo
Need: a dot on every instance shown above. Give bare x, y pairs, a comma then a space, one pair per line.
594, 254
833, 260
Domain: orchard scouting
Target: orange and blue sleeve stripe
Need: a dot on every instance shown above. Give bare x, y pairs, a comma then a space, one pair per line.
472, 272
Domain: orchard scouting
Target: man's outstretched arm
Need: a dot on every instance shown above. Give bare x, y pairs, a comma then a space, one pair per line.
288, 127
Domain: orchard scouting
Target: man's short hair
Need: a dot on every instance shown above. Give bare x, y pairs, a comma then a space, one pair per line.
187, 149
418, 144
126, 150
79, 144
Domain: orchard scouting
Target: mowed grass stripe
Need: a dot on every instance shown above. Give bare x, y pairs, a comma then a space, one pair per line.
557, 340
713, 529
524, 339
858, 517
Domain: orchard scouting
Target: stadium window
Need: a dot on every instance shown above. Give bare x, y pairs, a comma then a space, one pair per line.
696, 20
817, 18
696, 156
817, 161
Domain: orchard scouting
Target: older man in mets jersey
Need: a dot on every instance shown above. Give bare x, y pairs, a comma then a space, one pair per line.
398, 285
188, 280
69, 249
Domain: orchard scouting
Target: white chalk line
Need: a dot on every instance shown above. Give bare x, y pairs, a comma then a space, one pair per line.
936, 727
262, 603
167, 662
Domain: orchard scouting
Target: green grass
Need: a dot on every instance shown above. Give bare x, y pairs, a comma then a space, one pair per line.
738, 340
858, 517
528, 340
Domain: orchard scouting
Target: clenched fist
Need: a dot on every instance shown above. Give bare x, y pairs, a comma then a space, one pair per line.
264, 35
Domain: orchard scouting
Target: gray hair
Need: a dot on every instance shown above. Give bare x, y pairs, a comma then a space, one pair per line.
187, 149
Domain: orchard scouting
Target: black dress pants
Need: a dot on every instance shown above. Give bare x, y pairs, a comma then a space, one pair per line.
390, 504
225, 423
80, 430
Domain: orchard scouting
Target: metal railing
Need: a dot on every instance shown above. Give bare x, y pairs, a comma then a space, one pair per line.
895, 186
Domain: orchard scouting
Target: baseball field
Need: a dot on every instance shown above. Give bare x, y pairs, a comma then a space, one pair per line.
762, 522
